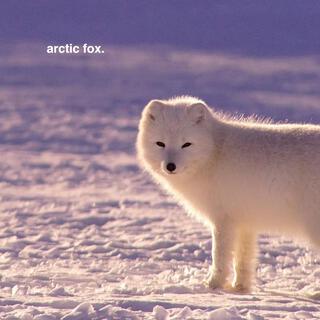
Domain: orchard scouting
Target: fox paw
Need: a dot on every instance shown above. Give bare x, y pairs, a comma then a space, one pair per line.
214, 283
237, 288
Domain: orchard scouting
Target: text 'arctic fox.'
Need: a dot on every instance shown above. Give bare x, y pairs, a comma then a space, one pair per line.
240, 177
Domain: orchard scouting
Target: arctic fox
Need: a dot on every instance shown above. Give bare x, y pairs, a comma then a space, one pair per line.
241, 177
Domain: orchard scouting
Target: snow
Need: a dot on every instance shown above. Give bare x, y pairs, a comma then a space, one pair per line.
225, 314
84, 233
160, 313
82, 311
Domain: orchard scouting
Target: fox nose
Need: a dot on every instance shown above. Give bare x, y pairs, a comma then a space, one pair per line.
171, 166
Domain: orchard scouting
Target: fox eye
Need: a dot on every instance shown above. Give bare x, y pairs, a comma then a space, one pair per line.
186, 145
160, 144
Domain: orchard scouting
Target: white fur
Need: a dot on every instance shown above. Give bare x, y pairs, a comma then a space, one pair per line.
241, 177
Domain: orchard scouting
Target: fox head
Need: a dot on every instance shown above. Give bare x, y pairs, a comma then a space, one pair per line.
175, 136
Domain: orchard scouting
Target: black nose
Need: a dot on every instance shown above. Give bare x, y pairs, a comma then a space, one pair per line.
171, 166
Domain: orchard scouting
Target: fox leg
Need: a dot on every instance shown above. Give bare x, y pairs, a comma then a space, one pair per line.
244, 261
222, 246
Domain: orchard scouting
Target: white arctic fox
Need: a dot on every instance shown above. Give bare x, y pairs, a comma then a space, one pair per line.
241, 177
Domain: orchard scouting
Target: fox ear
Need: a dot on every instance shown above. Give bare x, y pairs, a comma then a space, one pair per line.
153, 109
197, 112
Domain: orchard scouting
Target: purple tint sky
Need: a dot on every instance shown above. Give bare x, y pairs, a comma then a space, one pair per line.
261, 28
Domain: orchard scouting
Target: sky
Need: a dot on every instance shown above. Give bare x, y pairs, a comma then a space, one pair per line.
258, 28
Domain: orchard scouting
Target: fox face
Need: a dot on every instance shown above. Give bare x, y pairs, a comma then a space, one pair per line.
174, 140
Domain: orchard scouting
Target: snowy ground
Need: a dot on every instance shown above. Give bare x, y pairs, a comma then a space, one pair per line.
82, 227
